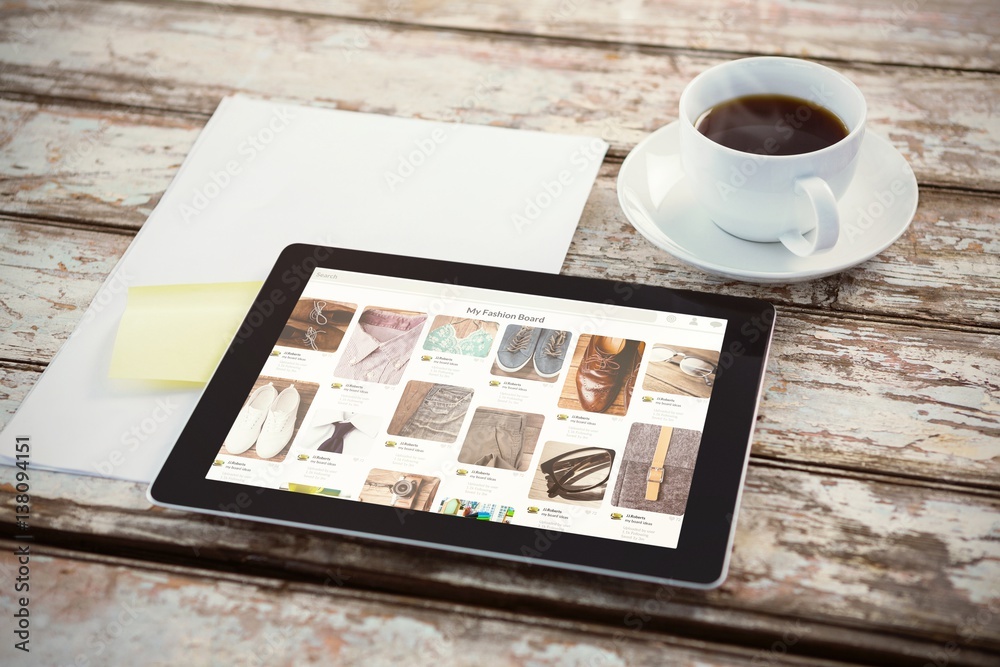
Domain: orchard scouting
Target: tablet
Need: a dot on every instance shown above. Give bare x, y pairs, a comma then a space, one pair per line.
571, 422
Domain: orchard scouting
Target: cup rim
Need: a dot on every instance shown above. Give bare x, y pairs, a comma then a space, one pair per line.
852, 134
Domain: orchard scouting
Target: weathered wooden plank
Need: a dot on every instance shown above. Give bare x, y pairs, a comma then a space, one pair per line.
105, 607
945, 268
925, 32
100, 166
844, 564
16, 380
932, 394
935, 390
950, 255
185, 57
931, 401
49, 277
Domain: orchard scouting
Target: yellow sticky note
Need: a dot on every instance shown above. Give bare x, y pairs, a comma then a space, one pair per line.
178, 332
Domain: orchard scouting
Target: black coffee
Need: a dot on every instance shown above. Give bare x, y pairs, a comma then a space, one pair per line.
772, 125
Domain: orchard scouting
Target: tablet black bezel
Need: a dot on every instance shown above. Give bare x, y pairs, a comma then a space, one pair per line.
701, 556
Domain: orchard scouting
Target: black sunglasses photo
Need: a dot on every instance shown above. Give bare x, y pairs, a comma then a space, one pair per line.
579, 474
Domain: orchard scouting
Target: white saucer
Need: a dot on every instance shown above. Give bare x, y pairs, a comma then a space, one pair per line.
876, 209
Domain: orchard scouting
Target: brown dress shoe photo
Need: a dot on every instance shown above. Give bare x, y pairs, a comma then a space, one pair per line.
323, 313
308, 336
606, 364
629, 383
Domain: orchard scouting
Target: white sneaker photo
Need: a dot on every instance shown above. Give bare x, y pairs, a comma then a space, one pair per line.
250, 420
279, 424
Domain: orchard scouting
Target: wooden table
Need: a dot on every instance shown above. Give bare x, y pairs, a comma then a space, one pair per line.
870, 528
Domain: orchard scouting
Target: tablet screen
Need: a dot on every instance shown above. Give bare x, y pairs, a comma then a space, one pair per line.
482, 405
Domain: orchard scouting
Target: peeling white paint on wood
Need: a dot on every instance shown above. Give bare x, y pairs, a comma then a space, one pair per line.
943, 123
807, 544
959, 33
950, 257
111, 613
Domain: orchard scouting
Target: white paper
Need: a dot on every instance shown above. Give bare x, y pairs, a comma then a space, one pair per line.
262, 176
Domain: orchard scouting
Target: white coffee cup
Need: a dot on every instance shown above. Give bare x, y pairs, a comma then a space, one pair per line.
762, 196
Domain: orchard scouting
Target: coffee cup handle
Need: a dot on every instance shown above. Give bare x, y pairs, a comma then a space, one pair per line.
827, 219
